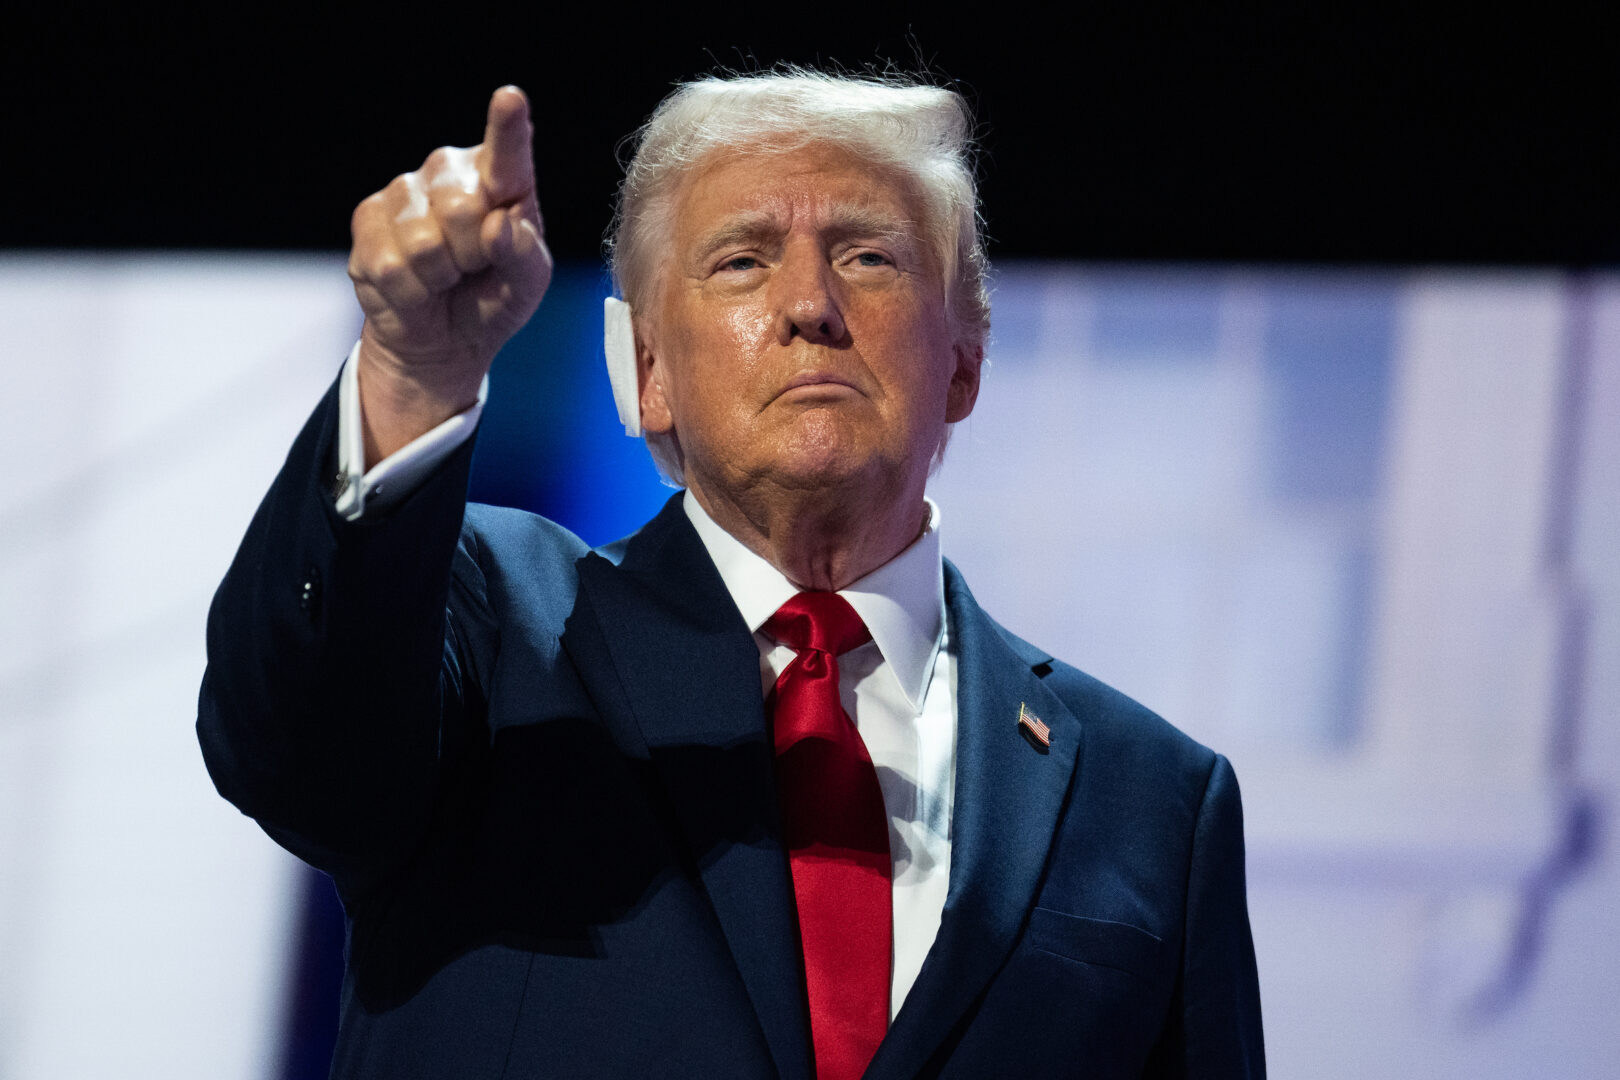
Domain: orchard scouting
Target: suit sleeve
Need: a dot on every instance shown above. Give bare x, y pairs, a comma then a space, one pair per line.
333, 696
1217, 1030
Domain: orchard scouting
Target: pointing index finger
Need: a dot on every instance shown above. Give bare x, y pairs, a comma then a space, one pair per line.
506, 160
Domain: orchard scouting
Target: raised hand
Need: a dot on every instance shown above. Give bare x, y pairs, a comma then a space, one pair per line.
448, 263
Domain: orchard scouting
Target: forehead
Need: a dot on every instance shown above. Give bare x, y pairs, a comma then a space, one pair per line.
817, 184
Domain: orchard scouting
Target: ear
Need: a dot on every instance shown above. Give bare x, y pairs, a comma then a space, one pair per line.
964, 388
655, 412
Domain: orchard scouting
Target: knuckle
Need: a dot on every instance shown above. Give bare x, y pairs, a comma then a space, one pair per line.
420, 243
365, 212
458, 208
370, 298
389, 270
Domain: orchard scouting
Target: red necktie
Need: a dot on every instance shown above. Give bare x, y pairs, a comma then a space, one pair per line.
837, 836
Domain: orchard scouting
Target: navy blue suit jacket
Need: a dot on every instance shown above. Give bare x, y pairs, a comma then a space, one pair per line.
541, 779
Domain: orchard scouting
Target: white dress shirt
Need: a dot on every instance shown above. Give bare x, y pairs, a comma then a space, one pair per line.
900, 688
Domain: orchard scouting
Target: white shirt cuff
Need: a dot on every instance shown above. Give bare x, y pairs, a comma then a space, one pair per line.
402, 472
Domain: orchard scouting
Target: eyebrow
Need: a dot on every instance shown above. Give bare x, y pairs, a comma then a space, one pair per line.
844, 220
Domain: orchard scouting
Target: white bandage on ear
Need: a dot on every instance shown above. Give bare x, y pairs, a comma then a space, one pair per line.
619, 343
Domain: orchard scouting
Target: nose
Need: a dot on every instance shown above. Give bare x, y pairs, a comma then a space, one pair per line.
807, 299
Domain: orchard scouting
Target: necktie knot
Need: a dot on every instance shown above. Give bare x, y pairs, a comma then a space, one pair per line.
823, 621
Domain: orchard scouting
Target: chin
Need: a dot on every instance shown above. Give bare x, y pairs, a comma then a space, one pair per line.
839, 470
823, 452
830, 471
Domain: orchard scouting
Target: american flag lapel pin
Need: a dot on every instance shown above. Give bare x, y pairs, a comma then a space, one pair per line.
1033, 729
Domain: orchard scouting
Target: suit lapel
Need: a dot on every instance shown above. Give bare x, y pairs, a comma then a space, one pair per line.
1007, 802
690, 671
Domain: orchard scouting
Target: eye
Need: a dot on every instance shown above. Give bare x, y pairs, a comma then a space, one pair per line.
872, 258
740, 262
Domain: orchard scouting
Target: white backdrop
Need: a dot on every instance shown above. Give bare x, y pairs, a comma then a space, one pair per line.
147, 404
1362, 533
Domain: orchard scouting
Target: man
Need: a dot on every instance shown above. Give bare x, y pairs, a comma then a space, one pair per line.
759, 790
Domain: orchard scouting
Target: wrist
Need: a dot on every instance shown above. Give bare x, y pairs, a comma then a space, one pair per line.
402, 398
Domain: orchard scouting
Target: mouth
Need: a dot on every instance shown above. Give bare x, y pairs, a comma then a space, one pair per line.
816, 384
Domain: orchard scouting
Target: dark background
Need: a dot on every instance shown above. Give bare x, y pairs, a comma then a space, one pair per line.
1309, 136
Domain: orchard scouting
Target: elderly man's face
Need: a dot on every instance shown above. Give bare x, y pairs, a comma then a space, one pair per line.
800, 337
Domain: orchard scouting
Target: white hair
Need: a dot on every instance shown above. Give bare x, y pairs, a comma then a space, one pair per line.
922, 132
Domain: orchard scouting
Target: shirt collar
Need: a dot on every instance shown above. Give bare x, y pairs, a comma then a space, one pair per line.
902, 602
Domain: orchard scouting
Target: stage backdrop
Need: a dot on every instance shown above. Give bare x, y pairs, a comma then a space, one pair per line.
1357, 530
